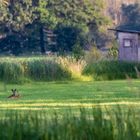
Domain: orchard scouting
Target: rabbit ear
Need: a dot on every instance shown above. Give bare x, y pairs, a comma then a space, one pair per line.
12, 90
15, 90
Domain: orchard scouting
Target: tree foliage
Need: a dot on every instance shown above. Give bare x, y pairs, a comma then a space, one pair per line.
19, 14
70, 12
68, 37
65, 15
4, 2
24, 21
131, 14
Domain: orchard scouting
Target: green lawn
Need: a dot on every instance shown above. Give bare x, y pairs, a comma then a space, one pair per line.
64, 95
33, 123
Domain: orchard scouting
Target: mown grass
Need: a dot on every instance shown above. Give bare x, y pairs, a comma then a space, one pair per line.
107, 110
62, 95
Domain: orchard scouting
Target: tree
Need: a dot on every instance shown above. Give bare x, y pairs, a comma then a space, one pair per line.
4, 2
28, 20
70, 12
68, 37
20, 14
14, 18
73, 13
3, 10
131, 14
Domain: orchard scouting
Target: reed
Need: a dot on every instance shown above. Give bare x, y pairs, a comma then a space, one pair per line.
112, 70
16, 70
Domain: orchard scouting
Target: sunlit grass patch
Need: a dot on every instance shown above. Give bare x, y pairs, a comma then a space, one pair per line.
53, 106
62, 95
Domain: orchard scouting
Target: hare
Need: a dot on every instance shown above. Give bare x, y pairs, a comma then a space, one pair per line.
14, 94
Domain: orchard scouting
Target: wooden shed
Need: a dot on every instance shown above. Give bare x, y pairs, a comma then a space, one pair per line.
128, 38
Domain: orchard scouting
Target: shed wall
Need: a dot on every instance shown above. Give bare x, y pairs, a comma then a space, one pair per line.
128, 53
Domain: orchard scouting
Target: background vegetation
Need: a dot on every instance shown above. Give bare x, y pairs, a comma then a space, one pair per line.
25, 69
38, 26
112, 70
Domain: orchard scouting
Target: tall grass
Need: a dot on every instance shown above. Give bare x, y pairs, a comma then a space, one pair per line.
98, 125
11, 72
75, 67
112, 70
47, 70
15, 70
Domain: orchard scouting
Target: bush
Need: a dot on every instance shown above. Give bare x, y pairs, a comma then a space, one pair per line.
112, 70
78, 52
113, 51
93, 55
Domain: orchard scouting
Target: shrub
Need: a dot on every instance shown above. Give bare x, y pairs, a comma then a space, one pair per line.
111, 70
113, 51
78, 52
93, 55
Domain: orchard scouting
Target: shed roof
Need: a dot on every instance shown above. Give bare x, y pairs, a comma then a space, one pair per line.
128, 29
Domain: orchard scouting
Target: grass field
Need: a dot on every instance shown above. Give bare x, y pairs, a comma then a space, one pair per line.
64, 95
71, 111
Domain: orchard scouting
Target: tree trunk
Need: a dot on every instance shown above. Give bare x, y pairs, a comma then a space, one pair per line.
42, 44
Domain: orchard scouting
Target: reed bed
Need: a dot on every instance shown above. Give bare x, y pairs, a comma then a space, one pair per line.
112, 70
25, 69
16, 70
